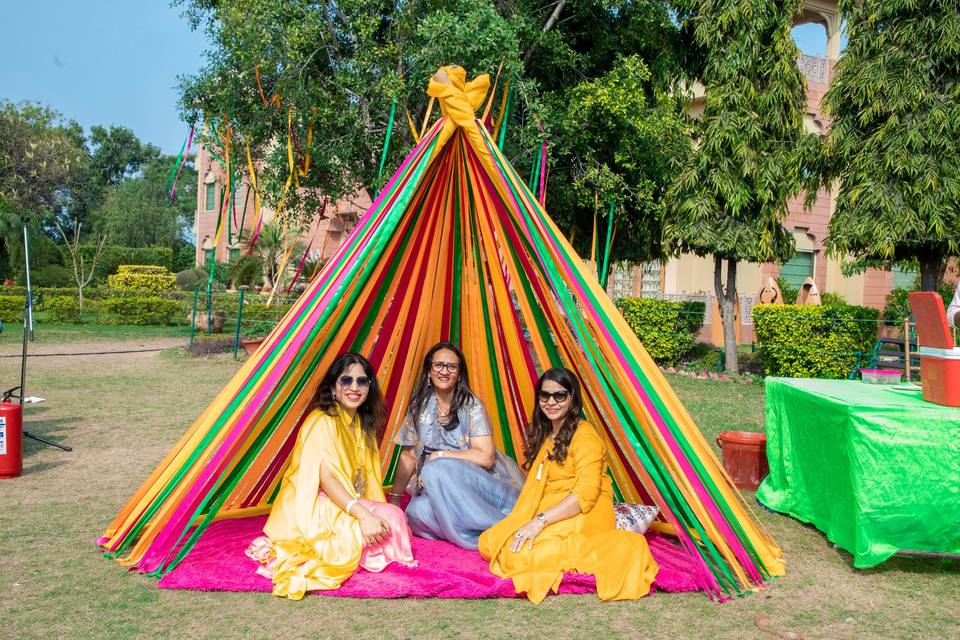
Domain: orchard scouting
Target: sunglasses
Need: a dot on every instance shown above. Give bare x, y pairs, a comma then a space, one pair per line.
363, 382
559, 397
452, 367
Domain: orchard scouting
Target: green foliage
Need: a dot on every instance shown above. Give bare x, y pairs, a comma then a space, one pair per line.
246, 270
895, 135
341, 66
813, 341
662, 326
624, 145
184, 257
729, 198
51, 275
139, 310
832, 299
114, 256
41, 159
188, 279
136, 210
789, 293
11, 308
62, 308
145, 278
898, 303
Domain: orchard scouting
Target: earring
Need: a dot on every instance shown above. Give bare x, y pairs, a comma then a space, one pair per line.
429, 382
333, 395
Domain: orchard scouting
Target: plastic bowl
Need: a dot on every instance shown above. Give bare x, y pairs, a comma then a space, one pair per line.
880, 376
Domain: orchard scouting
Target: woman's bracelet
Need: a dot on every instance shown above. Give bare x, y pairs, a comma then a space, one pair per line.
395, 495
349, 506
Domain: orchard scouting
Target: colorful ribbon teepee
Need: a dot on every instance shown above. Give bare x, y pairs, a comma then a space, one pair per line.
455, 247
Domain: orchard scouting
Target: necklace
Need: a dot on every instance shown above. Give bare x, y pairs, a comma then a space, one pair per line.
359, 481
443, 417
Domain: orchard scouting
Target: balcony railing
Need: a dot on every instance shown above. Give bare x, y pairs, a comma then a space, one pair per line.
814, 68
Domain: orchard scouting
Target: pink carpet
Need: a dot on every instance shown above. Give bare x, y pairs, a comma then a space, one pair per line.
218, 563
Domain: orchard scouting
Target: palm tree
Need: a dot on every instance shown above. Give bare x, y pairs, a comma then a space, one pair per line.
272, 246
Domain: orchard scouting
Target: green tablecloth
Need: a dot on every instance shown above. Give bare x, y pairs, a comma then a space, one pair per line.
875, 468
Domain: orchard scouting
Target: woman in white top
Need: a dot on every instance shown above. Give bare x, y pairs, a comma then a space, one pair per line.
953, 311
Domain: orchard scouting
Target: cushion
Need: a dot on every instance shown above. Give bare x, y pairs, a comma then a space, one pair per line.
634, 517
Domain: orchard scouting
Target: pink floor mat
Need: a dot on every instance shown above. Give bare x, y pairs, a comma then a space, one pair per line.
218, 563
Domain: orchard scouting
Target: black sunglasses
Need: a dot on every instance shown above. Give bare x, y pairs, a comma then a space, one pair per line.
347, 381
558, 396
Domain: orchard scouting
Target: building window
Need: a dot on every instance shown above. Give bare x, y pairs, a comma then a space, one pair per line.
651, 279
234, 253
798, 268
207, 257
211, 196
904, 278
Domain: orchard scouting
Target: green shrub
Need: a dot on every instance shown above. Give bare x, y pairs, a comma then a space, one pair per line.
49, 275
62, 308
114, 256
832, 299
789, 293
11, 308
143, 278
187, 280
139, 310
898, 303
813, 341
662, 327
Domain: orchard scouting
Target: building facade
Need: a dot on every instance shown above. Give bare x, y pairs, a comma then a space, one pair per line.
691, 277
323, 235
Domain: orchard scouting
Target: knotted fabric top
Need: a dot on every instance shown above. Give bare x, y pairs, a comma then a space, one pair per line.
459, 101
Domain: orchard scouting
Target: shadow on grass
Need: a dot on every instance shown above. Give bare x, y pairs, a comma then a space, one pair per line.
56, 430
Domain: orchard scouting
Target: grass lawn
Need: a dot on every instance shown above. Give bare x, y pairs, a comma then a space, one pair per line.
121, 412
56, 334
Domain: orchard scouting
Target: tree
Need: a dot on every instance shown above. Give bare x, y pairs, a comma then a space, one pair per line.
42, 164
136, 211
729, 198
335, 68
82, 275
894, 152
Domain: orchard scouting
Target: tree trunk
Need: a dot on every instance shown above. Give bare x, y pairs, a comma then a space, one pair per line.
726, 301
932, 267
80, 293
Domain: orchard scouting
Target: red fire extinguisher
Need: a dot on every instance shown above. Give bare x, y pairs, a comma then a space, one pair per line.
11, 437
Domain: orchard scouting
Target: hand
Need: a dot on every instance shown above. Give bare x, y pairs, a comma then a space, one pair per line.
526, 535
374, 529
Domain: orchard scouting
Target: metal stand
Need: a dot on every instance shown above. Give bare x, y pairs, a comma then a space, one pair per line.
28, 335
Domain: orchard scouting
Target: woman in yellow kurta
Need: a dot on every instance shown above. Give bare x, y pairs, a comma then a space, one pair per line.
330, 517
563, 520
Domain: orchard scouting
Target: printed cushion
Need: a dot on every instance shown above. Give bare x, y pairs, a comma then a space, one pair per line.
634, 517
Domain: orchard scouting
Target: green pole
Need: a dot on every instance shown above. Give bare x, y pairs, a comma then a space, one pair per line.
506, 119
236, 338
193, 318
606, 251
386, 143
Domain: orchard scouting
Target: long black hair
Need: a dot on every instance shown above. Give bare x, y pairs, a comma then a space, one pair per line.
462, 395
540, 426
372, 413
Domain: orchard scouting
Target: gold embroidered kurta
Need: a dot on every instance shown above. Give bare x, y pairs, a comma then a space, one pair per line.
589, 542
316, 544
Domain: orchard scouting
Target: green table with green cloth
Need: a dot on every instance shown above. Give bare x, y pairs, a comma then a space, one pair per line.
875, 467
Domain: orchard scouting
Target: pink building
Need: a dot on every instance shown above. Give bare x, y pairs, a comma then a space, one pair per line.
323, 236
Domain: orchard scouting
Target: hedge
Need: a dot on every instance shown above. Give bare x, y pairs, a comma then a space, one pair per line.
814, 341
667, 329
114, 256
62, 308
144, 278
139, 310
11, 308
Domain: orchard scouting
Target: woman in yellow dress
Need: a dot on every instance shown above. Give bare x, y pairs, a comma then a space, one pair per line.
563, 520
330, 517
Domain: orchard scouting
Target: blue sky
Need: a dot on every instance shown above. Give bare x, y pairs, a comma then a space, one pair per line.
116, 62
109, 62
